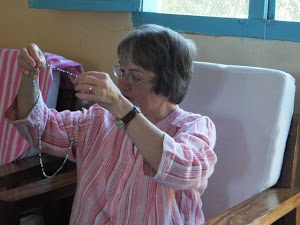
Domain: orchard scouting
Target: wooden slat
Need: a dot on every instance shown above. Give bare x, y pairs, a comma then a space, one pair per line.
39, 187
263, 208
39, 193
21, 165
23, 187
289, 166
28, 170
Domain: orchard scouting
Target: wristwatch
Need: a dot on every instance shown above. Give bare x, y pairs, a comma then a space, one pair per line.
122, 123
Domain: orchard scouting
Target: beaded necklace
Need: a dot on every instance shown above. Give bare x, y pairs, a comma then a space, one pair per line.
35, 77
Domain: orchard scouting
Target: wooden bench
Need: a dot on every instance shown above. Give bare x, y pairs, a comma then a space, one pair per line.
23, 190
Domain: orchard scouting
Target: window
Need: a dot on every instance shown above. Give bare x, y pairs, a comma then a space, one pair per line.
288, 10
215, 8
264, 19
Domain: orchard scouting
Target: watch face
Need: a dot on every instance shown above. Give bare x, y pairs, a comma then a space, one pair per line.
121, 124
137, 109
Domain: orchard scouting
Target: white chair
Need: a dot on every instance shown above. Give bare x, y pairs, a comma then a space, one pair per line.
252, 109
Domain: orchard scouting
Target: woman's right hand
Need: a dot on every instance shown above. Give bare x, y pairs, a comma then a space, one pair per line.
31, 59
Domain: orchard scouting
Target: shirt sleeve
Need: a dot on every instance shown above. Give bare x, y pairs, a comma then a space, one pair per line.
57, 128
188, 158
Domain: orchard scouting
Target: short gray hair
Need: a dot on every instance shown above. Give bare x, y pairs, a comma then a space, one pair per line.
164, 52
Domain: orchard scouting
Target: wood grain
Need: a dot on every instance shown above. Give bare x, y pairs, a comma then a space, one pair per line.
263, 208
288, 172
23, 188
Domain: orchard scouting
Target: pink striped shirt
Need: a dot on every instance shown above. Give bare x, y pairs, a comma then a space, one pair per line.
115, 184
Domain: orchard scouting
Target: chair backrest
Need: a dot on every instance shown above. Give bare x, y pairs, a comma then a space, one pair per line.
252, 110
13, 146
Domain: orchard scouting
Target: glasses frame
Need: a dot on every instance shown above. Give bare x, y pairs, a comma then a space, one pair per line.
131, 79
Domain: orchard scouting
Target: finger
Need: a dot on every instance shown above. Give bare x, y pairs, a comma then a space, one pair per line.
25, 57
84, 88
43, 62
36, 54
80, 79
91, 77
25, 62
85, 96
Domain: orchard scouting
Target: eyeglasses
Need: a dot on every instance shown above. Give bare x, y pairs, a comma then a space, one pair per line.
120, 74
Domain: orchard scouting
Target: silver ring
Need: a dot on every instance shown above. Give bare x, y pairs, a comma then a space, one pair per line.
91, 90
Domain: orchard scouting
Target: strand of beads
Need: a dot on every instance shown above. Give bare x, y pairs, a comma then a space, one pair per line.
35, 77
61, 70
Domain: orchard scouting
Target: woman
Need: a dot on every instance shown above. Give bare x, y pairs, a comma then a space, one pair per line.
136, 165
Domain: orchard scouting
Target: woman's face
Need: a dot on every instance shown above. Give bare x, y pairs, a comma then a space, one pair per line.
136, 85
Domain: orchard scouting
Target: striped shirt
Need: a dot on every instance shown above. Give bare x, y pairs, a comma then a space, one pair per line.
115, 184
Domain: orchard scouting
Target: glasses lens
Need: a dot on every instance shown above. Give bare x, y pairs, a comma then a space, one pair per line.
117, 72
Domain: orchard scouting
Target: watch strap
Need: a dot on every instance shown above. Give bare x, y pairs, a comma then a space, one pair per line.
128, 117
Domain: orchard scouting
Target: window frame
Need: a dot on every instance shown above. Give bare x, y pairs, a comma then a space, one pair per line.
259, 24
94, 5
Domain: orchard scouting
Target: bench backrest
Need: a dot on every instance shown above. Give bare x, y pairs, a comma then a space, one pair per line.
252, 110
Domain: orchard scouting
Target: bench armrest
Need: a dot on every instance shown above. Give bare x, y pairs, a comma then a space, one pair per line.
263, 208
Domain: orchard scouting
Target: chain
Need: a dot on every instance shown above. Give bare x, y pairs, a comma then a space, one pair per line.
61, 70
35, 77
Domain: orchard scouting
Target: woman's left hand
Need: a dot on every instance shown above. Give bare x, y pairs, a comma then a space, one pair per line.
97, 87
